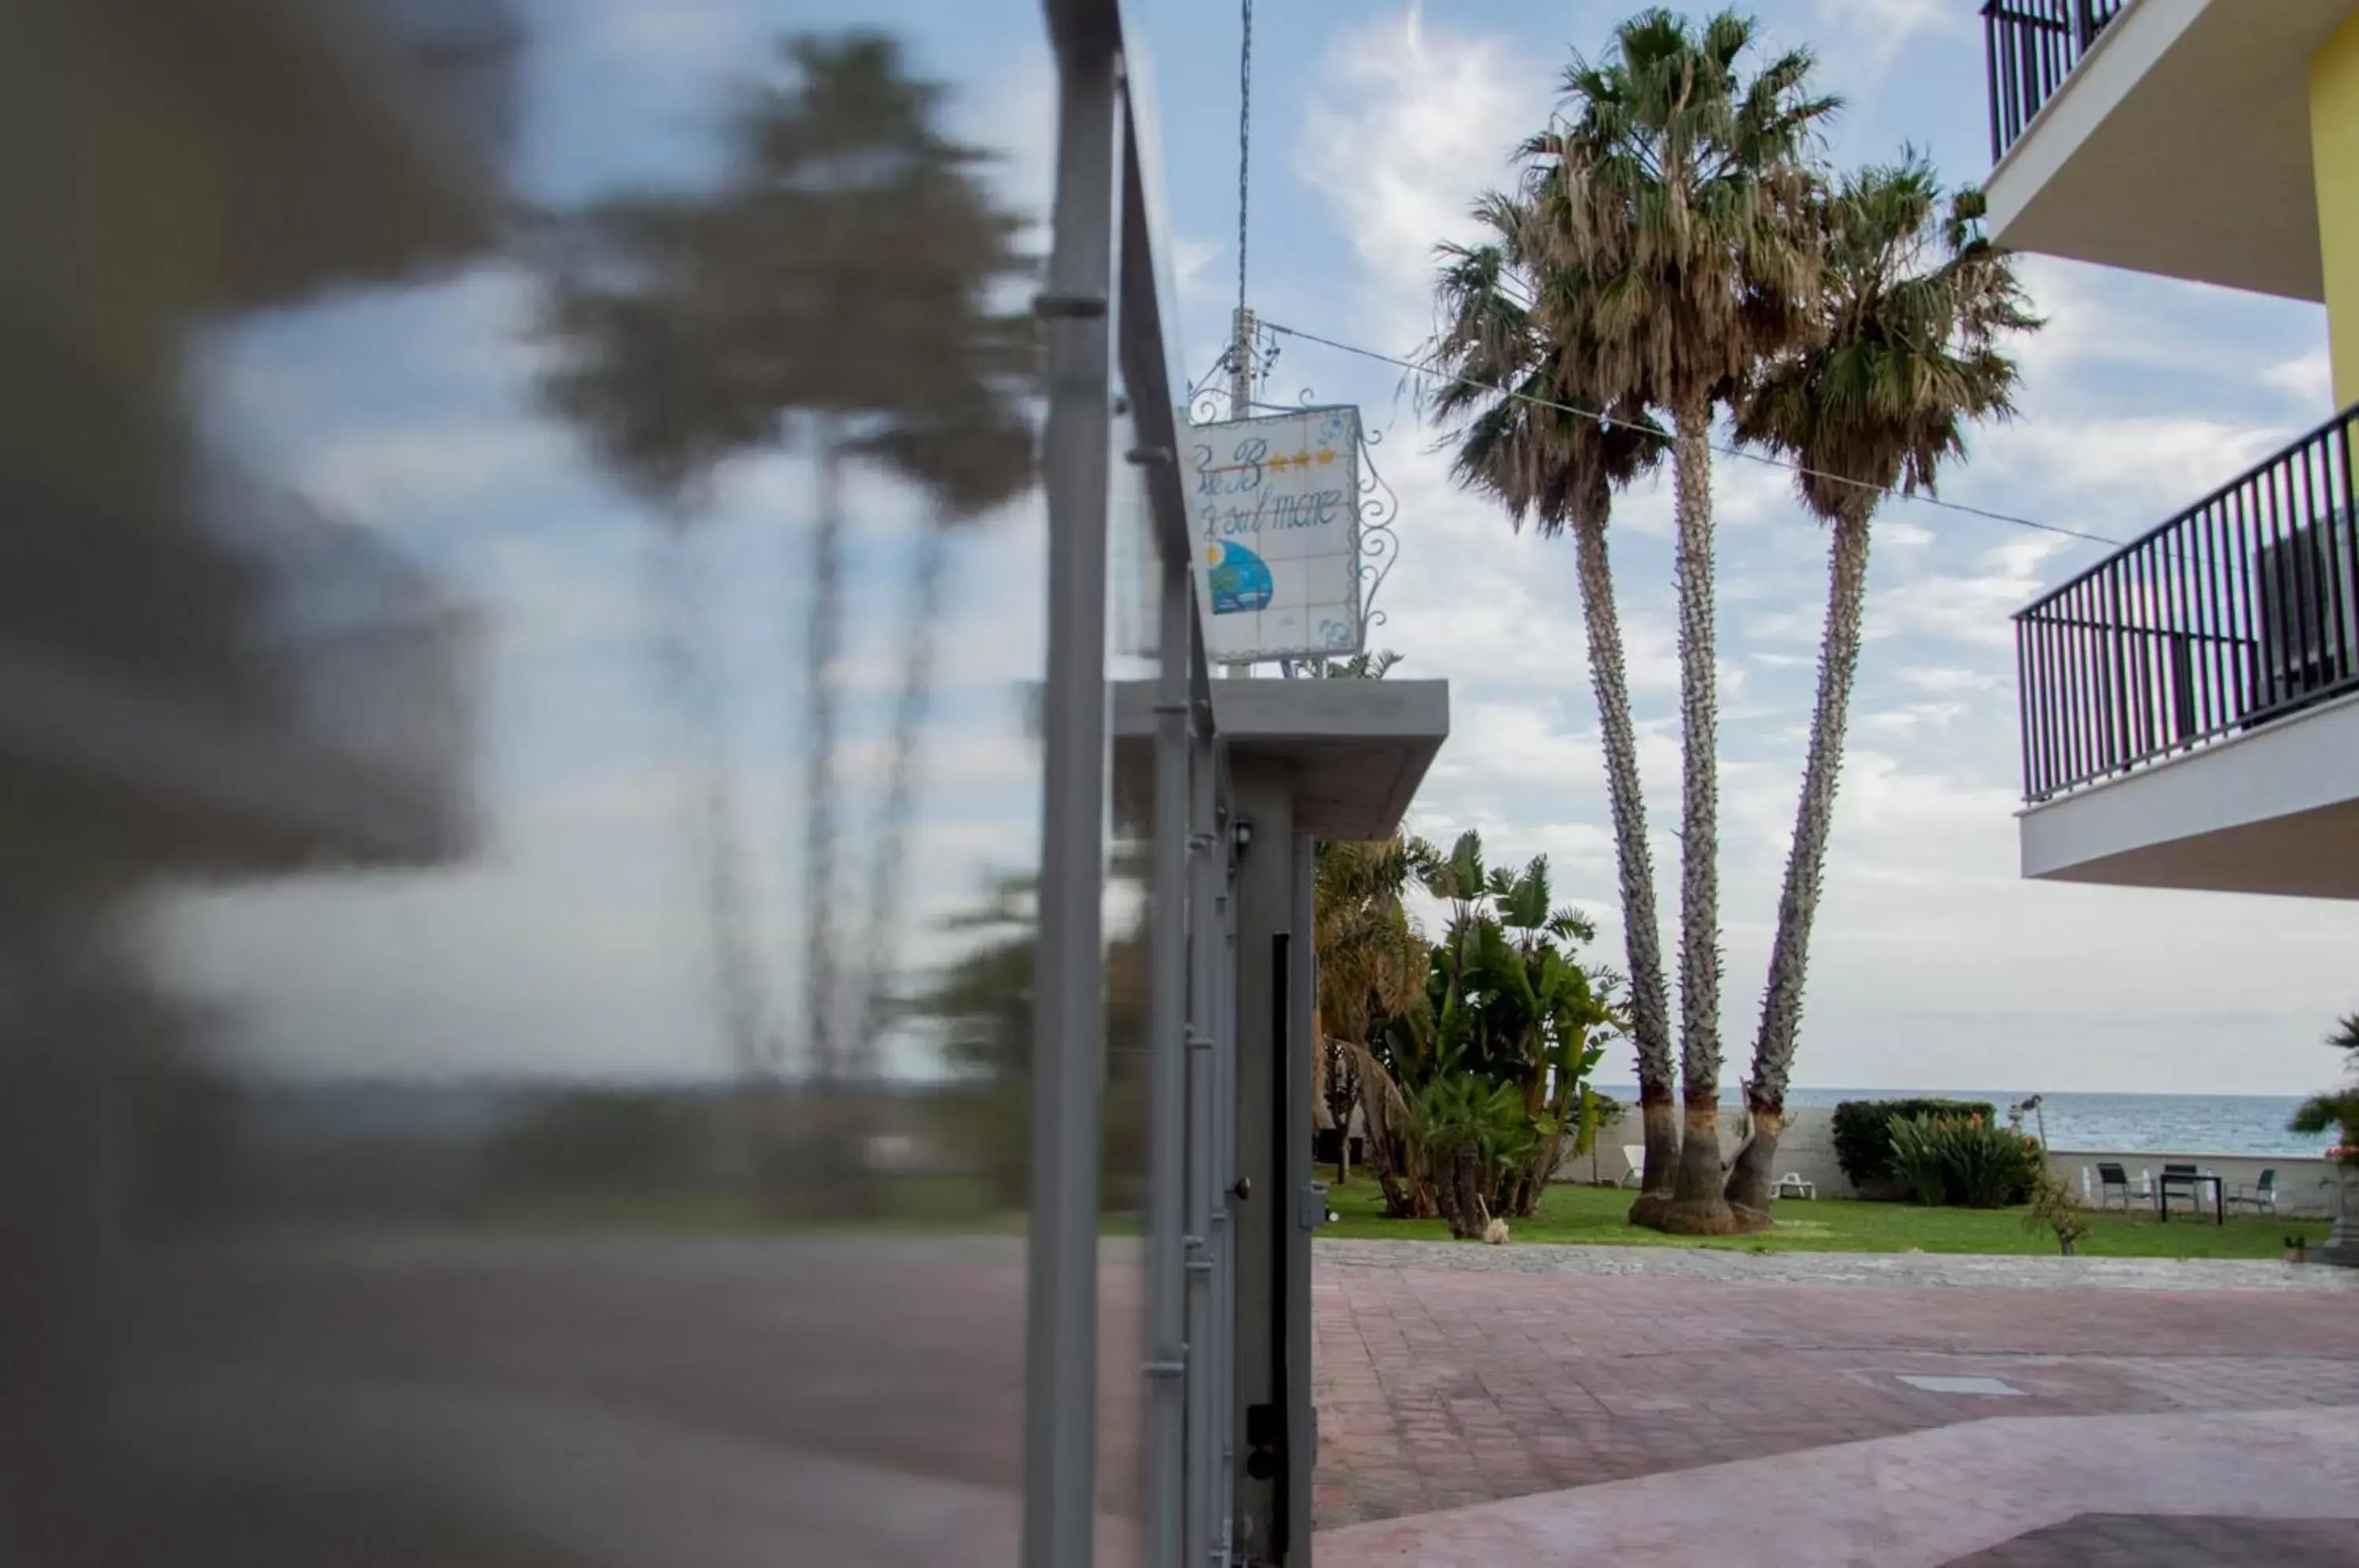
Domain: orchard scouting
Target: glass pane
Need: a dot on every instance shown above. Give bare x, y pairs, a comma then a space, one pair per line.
519, 788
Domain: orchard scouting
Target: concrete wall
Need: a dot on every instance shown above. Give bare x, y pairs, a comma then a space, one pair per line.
1806, 1148
2334, 162
2305, 1184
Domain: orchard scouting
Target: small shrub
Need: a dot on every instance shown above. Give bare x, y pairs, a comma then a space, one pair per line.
1863, 1132
2055, 1210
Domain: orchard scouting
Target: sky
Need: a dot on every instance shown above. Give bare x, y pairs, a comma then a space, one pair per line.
571, 942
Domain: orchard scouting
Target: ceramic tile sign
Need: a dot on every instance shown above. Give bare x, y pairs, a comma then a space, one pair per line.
1274, 505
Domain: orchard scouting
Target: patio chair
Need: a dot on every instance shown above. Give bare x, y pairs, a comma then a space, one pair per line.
2112, 1179
2176, 1179
2262, 1194
1636, 1155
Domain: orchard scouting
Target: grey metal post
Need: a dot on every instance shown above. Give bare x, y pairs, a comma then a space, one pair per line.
1268, 961
1168, 1350
1224, 1213
1305, 1203
1206, 877
1069, 1023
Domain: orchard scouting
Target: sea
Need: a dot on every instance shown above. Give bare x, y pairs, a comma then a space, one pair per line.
2127, 1123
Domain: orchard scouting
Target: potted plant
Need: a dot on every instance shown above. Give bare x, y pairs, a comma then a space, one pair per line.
2297, 1249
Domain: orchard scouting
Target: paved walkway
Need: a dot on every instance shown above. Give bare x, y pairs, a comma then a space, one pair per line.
1457, 1377
2022, 1491
2151, 1541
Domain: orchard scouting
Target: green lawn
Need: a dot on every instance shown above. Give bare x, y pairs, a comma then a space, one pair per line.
1594, 1216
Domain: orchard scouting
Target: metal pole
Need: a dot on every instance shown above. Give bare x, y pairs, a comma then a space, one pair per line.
1207, 1400
1069, 1017
1168, 1351
1224, 1199
1300, 1207
1241, 333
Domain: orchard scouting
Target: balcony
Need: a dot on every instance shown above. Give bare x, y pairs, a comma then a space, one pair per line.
2166, 136
2030, 47
2190, 704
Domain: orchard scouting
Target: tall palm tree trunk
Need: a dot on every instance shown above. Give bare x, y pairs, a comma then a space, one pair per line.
839, 1135
879, 943
1797, 907
1650, 1013
825, 633
711, 804
1698, 1207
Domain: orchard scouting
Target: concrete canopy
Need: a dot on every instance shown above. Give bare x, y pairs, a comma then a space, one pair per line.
2180, 146
1357, 749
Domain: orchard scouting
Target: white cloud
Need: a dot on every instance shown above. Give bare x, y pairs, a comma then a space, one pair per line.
1189, 260
1407, 121
1864, 39
1971, 606
1911, 718
2309, 376
2120, 470
1939, 678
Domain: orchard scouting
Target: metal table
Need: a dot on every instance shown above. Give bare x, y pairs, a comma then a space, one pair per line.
2193, 1183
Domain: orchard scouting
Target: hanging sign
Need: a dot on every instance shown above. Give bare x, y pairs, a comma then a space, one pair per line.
1274, 506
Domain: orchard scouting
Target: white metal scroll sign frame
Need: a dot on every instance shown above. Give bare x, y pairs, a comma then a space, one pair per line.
1274, 506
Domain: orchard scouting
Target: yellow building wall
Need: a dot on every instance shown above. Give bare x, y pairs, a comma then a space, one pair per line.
2335, 155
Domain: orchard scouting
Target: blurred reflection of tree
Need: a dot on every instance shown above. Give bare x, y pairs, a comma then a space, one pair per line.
981, 1004
162, 711
843, 285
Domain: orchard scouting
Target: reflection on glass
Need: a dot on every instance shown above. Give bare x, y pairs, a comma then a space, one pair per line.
518, 816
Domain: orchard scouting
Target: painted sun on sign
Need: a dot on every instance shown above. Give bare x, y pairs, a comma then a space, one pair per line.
1274, 504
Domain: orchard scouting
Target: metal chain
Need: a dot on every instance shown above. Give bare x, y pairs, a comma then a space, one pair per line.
1245, 143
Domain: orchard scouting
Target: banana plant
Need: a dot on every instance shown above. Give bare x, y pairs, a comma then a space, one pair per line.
1480, 1088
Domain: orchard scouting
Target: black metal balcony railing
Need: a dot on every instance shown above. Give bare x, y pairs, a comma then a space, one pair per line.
2242, 609
2030, 47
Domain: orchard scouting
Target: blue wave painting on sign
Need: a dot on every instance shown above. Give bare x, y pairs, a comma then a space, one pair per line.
1239, 579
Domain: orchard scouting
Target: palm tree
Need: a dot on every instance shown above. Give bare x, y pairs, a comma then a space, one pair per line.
636, 333
2337, 1108
861, 248
835, 283
1914, 301
1674, 196
1371, 963
971, 453
1515, 391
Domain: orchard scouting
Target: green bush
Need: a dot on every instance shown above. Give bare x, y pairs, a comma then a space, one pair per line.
1863, 1131
1964, 1161
1916, 1158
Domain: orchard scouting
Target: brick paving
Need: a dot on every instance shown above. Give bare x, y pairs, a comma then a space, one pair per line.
1449, 1376
2150, 1541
